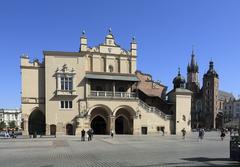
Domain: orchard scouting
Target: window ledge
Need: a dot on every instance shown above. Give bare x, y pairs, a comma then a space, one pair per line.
65, 92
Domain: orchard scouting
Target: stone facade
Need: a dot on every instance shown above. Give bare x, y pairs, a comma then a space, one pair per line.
8, 115
207, 101
93, 88
231, 113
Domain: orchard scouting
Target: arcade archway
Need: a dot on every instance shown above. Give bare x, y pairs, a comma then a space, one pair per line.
124, 121
36, 123
100, 120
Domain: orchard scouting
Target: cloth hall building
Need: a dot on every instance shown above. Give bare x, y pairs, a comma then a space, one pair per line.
99, 88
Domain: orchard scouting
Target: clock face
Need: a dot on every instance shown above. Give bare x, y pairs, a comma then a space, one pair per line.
109, 50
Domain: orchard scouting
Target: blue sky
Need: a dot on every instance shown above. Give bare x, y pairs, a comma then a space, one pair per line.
165, 31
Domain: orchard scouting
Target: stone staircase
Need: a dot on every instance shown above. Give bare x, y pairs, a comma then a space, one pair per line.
155, 110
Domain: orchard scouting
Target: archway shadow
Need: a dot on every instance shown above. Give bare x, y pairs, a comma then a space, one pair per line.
209, 161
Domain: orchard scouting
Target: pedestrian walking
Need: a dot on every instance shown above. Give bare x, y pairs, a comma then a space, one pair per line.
91, 131
83, 135
201, 133
112, 133
222, 134
162, 129
183, 133
89, 135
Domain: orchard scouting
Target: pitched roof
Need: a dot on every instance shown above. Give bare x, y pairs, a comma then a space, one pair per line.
222, 95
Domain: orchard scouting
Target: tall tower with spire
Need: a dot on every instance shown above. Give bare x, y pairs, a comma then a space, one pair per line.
210, 96
192, 75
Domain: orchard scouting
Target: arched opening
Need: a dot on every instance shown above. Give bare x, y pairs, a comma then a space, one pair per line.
122, 125
53, 129
69, 129
124, 121
100, 120
99, 125
36, 123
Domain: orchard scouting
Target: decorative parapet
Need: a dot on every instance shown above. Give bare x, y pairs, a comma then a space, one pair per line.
65, 92
26, 63
110, 94
33, 100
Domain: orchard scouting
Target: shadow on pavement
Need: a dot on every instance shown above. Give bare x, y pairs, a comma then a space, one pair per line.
219, 162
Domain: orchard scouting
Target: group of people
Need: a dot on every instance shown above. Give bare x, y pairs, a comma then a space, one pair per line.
201, 133
9, 134
89, 134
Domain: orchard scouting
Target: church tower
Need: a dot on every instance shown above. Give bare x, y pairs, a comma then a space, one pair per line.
192, 75
193, 85
210, 96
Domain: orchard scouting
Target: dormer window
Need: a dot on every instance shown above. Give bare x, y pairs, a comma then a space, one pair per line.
65, 80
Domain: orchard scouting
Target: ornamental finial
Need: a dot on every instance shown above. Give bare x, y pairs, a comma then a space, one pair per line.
110, 30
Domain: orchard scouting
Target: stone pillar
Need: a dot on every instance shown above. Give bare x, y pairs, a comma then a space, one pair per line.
86, 124
112, 123
25, 124
47, 129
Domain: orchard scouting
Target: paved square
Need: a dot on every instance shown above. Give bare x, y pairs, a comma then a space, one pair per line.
151, 151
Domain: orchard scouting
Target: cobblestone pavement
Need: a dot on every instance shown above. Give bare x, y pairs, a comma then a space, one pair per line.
149, 151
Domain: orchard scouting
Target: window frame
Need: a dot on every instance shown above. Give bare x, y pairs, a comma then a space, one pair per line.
66, 104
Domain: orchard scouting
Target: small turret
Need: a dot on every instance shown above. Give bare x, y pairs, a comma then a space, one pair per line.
211, 71
83, 42
179, 81
134, 47
109, 39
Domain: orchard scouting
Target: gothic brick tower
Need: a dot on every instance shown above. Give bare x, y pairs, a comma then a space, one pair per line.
210, 96
193, 85
192, 75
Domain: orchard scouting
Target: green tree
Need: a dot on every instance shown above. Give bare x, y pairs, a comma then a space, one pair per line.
2, 125
12, 125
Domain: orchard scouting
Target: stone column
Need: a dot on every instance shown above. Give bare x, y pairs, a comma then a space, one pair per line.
112, 123
25, 124
47, 129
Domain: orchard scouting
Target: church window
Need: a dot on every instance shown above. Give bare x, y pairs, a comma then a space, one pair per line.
208, 84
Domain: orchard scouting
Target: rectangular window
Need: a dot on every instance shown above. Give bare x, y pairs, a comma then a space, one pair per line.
66, 104
62, 104
66, 83
62, 83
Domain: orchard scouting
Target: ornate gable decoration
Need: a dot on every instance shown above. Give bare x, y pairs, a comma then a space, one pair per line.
65, 70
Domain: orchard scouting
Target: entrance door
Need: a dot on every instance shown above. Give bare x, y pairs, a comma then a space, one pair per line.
36, 124
53, 129
69, 129
99, 125
144, 130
